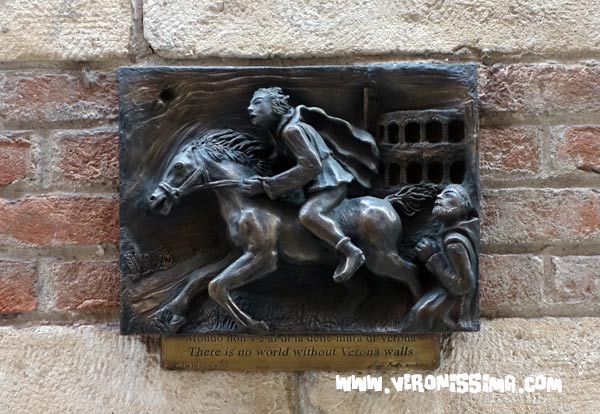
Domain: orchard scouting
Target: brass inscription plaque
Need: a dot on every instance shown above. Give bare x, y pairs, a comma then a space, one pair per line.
301, 352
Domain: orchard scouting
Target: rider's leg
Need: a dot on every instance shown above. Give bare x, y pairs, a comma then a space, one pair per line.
315, 216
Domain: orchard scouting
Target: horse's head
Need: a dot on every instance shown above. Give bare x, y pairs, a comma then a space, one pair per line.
185, 170
221, 154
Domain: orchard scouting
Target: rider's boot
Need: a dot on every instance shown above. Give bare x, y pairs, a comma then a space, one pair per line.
353, 260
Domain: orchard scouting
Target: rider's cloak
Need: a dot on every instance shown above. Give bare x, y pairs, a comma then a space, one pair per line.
355, 149
328, 151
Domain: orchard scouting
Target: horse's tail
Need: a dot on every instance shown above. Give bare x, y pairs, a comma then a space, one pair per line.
412, 199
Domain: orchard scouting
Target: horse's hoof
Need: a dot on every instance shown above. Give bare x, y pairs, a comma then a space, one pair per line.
177, 322
158, 324
167, 322
258, 327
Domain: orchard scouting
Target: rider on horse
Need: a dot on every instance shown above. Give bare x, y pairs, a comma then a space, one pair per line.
329, 154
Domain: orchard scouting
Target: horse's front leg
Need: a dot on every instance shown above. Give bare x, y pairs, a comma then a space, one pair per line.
198, 281
171, 314
249, 267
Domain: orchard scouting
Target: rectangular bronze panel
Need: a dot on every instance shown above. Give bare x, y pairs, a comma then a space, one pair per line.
301, 352
208, 248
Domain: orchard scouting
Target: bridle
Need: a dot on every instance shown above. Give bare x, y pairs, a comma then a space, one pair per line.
175, 193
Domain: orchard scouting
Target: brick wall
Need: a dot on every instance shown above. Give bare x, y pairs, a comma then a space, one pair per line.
539, 81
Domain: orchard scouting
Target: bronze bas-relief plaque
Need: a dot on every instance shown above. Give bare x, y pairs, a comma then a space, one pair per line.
291, 201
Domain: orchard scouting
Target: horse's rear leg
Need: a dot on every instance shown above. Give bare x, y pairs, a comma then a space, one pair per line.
249, 267
390, 265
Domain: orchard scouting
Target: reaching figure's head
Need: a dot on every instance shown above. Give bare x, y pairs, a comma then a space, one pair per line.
452, 204
267, 106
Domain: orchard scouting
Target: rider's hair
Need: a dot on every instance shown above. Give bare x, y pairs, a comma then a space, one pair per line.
279, 101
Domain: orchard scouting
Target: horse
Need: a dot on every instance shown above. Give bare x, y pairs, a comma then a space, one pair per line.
263, 232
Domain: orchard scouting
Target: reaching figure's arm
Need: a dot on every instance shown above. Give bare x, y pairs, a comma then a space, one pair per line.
308, 164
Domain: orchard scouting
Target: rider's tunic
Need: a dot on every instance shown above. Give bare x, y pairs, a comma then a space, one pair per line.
317, 166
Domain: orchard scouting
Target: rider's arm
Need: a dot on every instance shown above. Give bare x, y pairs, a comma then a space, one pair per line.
308, 164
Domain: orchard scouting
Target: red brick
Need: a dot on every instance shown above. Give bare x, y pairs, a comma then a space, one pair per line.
55, 220
17, 282
576, 148
576, 278
85, 284
540, 88
88, 156
540, 216
510, 281
36, 96
506, 151
16, 159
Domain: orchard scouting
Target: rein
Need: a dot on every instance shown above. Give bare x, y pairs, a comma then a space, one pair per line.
216, 184
188, 185
176, 192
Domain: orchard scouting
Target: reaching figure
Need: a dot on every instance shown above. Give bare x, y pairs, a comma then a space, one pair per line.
329, 154
452, 260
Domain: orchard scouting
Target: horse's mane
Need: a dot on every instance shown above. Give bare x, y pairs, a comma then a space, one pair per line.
236, 146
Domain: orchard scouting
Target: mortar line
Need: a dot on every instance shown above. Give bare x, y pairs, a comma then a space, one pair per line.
139, 57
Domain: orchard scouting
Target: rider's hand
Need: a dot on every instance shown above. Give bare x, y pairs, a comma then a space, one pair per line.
425, 249
252, 186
